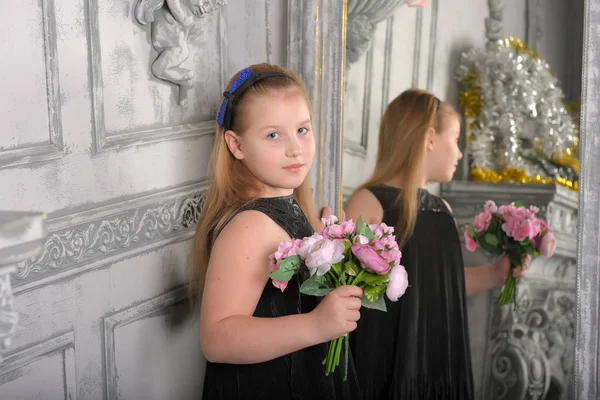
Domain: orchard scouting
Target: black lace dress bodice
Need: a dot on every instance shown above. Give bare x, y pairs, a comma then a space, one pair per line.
296, 376
419, 349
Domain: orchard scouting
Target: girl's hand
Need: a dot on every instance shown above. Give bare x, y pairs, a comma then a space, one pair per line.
337, 313
502, 267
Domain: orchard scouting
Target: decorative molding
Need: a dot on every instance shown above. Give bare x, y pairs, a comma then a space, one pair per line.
533, 22
494, 28
91, 238
586, 384
103, 140
128, 316
387, 63
63, 343
417, 49
53, 149
316, 50
347, 192
435, 5
352, 147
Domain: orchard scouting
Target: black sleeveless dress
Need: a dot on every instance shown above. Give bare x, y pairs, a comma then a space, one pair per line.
419, 349
296, 376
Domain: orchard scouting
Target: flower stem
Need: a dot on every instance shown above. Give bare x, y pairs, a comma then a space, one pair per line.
357, 277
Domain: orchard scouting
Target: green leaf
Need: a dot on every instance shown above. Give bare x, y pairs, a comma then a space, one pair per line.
351, 268
364, 230
490, 249
378, 304
518, 204
491, 239
373, 279
287, 269
372, 293
472, 231
315, 286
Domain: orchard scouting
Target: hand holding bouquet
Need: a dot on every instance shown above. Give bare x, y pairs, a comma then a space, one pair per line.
345, 253
513, 230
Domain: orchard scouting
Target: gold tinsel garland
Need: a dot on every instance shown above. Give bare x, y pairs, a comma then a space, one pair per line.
472, 104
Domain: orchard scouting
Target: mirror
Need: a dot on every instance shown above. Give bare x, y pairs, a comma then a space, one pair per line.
527, 151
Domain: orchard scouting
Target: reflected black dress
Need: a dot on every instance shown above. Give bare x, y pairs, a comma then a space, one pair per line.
296, 376
419, 349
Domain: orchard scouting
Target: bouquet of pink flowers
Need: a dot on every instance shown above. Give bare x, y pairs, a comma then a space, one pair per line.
345, 253
513, 230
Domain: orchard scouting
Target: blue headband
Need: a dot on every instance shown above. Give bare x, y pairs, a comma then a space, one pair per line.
246, 79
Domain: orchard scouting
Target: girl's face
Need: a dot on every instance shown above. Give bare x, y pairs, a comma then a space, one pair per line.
277, 144
442, 151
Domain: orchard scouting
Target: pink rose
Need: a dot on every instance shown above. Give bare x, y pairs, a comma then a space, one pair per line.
482, 221
397, 284
338, 231
370, 259
548, 245
470, 243
523, 230
319, 253
490, 206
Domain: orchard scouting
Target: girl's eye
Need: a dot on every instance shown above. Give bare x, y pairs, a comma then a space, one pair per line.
273, 135
302, 131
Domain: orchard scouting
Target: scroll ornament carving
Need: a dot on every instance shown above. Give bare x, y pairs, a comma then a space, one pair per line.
533, 348
363, 15
174, 25
87, 242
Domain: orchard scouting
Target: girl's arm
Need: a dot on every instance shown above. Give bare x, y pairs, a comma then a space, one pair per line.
364, 204
237, 274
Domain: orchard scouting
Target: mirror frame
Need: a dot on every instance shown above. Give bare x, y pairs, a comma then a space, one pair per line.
316, 49
587, 338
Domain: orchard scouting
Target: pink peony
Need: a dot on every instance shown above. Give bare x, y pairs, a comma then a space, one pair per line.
482, 221
470, 242
548, 245
417, 3
370, 259
361, 239
338, 231
398, 283
381, 230
284, 250
330, 220
320, 253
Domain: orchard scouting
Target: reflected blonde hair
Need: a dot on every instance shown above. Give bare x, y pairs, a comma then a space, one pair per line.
401, 149
231, 183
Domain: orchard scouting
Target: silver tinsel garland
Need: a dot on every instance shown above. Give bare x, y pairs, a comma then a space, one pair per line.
515, 108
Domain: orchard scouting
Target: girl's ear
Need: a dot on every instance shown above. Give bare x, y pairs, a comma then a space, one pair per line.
234, 144
430, 137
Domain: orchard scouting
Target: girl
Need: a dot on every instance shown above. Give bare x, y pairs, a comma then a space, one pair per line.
260, 342
423, 343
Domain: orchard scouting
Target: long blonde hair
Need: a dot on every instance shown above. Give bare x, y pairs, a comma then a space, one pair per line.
231, 183
401, 149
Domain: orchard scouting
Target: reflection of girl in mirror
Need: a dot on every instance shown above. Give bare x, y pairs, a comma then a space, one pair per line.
427, 328
260, 342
